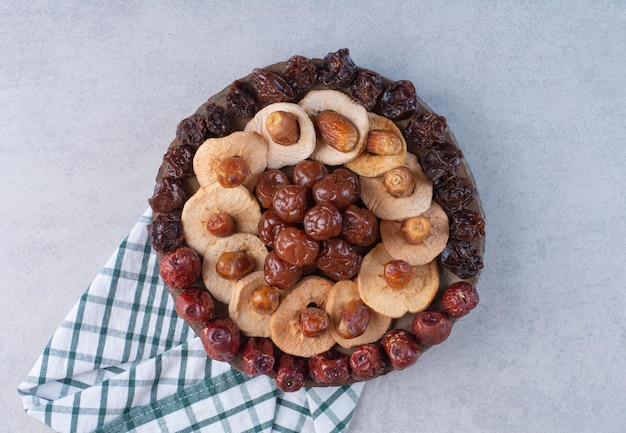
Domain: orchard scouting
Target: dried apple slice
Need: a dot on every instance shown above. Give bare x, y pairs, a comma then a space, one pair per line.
388, 206
289, 133
285, 326
340, 295
321, 101
247, 145
385, 148
377, 294
408, 246
238, 203
222, 288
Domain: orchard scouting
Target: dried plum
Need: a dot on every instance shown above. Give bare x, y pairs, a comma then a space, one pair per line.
367, 88
338, 70
425, 129
241, 99
462, 259
441, 161
272, 87
399, 100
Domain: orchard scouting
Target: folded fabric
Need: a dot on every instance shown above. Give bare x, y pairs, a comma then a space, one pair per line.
122, 360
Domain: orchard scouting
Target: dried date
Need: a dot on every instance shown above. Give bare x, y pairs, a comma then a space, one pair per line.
271, 87
399, 100
367, 88
241, 99
462, 259
338, 70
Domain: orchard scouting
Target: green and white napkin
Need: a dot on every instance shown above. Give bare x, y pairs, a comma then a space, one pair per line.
122, 361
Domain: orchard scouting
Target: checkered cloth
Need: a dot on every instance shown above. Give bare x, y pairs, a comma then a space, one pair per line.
122, 361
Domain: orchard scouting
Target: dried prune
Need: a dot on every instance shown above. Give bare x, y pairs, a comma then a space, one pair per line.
300, 73
192, 130
168, 195
441, 161
338, 70
178, 161
217, 121
399, 100
241, 99
455, 194
467, 225
367, 88
461, 258
425, 129
271, 87
166, 233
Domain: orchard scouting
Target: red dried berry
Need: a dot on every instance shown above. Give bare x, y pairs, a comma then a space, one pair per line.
459, 299
180, 268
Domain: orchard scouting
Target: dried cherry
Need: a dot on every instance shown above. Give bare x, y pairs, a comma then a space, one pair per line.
425, 129
166, 233
461, 258
192, 130
180, 268
455, 194
441, 161
399, 100
271, 87
467, 225
338, 70
169, 195
241, 99
300, 73
367, 88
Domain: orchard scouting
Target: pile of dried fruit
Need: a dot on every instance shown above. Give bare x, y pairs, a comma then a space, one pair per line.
316, 222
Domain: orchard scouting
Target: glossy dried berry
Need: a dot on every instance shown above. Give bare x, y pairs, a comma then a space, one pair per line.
338, 70
220, 224
399, 100
234, 265
195, 304
338, 260
431, 327
455, 194
291, 202
366, 362
221, 339
257, 356
269, 226
459, 299
307, 172
335, 189
401, 348
467, 225
217, 121
352, 177
461, 258
279, 273
192, 130
241, 99
367, 88
313, 322
267, 184
294, 246
300, 73
359, 226
271, 87
166, 233
425, 129
169, 195
180, 268
322, 221
441, 161
291, 373
329, 368
178, 161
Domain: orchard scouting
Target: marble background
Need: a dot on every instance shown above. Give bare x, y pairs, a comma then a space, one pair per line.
90, 94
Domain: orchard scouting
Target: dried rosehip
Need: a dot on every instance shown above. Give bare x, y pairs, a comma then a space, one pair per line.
279, 273
267, 184
217, 121
459, 299
322, 221
192, 130
431, 327
329, 368
180, 268
290, 203
300, 73
367, 88
338, 260
467, 225
257, 356
313, 322
366, 362
455, 194
399, 100
425, 129
272, 87
166, 233
359, 226
461, 258
221, 339
169, 195
338, 70
241, 99
401, 348
195, 305
294, 246
178, 161
291, 373
441, 161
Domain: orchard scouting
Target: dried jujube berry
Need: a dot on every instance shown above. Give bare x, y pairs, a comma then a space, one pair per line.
269, 226
461, 258
367, 362
335, 189
455, 194
192, 130
294, 246
329, 368
300, 73
431, 327
221, 339
267, 184
180, 268
399, 100
359, 226
166, 232
441, 161
271, 87
459, 299
367, 88
425, 129
195, 304
401, 348
291, 202
322, 221
338, 260
279, 273
290, 373
178, 161
338, 70
257, 356
241, 99
169, 195
306, 173
217, 121
352, 177
467, 225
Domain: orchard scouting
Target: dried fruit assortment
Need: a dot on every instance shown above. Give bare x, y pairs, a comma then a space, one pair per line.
316, 222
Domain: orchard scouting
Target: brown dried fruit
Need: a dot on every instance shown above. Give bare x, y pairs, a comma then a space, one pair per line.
338, 70
415, 229
283, 127
241, 99
336, 131
271, 87
399, 181
459, 299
